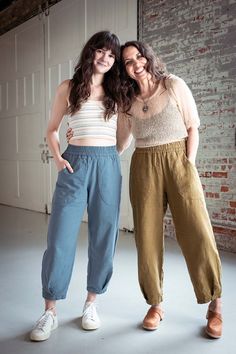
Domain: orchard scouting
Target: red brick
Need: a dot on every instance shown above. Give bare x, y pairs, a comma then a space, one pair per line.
231, 211
212, 195
224, 189
232, 204
224, 231
220, 174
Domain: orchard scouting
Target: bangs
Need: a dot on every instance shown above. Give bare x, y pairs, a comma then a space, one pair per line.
110, 42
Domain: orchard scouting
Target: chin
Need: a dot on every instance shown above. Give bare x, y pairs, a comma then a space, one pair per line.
100, 70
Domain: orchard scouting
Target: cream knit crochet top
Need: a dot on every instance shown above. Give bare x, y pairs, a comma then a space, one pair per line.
171, 112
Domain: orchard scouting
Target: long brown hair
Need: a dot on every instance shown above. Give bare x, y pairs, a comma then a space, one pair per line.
154, 66
80, 83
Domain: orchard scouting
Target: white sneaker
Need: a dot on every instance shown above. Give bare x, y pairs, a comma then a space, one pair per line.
42, 330
90, 319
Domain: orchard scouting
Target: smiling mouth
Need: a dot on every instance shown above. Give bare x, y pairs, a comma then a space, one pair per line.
139, 72
103, 64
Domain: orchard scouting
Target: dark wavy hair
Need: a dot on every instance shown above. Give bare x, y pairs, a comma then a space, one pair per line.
80, 83
154, 66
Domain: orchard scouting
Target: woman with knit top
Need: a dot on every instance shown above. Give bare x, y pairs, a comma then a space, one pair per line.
162, 116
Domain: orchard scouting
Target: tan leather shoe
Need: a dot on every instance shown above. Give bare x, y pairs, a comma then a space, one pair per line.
152, 319
214, 324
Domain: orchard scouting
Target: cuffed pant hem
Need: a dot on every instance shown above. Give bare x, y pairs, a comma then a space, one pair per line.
208, 299
96, 291
154, 302
47, 296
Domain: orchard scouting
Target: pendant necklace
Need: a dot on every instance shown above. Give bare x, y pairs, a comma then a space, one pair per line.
145, 102
145, 106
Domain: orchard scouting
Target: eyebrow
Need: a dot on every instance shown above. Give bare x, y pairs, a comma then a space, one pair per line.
105, 49
138, 53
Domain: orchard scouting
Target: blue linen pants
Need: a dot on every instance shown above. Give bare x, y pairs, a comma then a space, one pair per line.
95, 184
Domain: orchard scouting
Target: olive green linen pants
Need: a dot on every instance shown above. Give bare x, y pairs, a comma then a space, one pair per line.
159, 176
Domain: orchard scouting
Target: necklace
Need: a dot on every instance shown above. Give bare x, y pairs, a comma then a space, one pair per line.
145, 105
145, 102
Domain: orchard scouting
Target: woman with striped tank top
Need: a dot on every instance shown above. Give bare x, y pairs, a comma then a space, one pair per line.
88, 176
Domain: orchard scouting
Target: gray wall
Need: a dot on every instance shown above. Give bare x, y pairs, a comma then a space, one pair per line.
196, 39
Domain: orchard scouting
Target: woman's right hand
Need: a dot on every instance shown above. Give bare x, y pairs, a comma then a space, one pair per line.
69, 134
62, 164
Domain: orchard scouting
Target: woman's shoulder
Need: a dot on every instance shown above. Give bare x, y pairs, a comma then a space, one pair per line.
173, 81
64, 86
63, 90
176, 85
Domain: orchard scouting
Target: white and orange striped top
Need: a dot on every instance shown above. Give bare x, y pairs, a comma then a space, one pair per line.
89, 123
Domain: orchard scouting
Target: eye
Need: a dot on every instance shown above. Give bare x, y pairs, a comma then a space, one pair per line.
128, 62
99, 51
112, 56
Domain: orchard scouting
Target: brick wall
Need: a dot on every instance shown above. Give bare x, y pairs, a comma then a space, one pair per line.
14, 13
196, 39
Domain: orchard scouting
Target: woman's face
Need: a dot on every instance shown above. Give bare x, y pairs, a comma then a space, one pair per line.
103, 61
135, 63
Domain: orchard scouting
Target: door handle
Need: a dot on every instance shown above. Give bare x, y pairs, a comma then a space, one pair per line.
48, 156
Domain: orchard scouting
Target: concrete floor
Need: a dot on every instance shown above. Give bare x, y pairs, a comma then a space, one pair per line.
121, 309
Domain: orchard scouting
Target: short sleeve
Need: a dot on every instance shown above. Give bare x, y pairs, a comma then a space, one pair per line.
184, 99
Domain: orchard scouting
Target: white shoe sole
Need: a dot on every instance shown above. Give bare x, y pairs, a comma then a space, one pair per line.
91, 327
41, 338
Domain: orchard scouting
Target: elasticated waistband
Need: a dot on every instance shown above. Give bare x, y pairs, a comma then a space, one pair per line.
177, 145
91, 150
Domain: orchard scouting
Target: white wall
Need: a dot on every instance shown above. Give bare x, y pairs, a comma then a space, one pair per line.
35, 58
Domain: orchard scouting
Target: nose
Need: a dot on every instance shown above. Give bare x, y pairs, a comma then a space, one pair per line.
136, 64
105, 56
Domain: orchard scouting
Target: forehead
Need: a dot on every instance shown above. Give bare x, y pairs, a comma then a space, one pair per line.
130, 52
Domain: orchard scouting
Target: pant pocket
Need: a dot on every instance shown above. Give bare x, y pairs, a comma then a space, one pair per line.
188, 182
74, 161
71, 187
109, 180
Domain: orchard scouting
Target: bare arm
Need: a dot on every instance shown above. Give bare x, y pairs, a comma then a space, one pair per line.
192, 143
59, 109
188, 109
123, 135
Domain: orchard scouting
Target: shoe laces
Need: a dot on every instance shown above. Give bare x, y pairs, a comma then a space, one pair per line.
43, 321
90, 312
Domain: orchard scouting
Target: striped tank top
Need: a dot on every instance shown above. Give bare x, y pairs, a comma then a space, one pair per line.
89, 122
